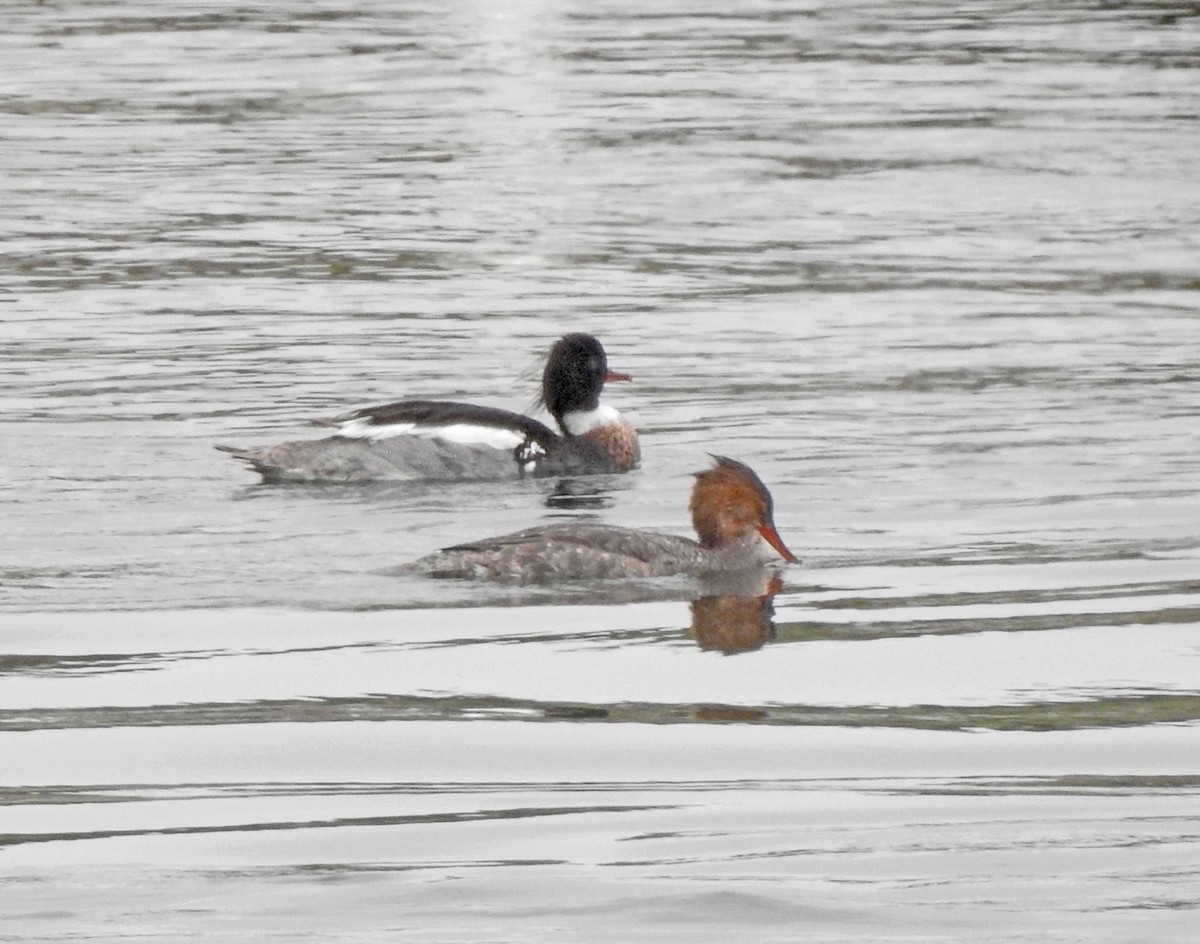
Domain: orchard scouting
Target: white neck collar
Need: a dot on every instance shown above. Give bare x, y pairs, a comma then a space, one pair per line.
579, 422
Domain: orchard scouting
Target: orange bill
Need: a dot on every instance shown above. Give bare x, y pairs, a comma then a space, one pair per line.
771, 536
613, 375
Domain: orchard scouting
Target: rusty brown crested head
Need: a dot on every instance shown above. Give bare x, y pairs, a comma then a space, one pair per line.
728, 502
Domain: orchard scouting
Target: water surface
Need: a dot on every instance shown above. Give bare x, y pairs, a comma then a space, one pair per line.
931, 270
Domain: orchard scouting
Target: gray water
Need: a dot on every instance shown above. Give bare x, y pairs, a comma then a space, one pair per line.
931, 269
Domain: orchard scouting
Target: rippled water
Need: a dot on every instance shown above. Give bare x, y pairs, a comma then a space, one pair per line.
931, 269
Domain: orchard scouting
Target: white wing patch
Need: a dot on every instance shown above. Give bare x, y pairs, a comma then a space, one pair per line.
463, 433
584, 421
529, 455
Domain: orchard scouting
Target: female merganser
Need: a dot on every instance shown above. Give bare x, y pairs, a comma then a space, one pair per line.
432, 439
732, 513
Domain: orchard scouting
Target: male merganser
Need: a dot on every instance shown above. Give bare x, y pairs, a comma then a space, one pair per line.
732, 513
417, 439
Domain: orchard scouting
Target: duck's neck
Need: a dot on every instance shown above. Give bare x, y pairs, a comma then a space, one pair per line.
581, 422
749, 550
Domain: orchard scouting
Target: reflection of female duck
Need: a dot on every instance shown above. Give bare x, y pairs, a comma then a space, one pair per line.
732, 512
433, 439
733, 624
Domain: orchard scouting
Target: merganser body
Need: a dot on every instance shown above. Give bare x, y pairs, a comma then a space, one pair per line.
732, 512
433, 439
